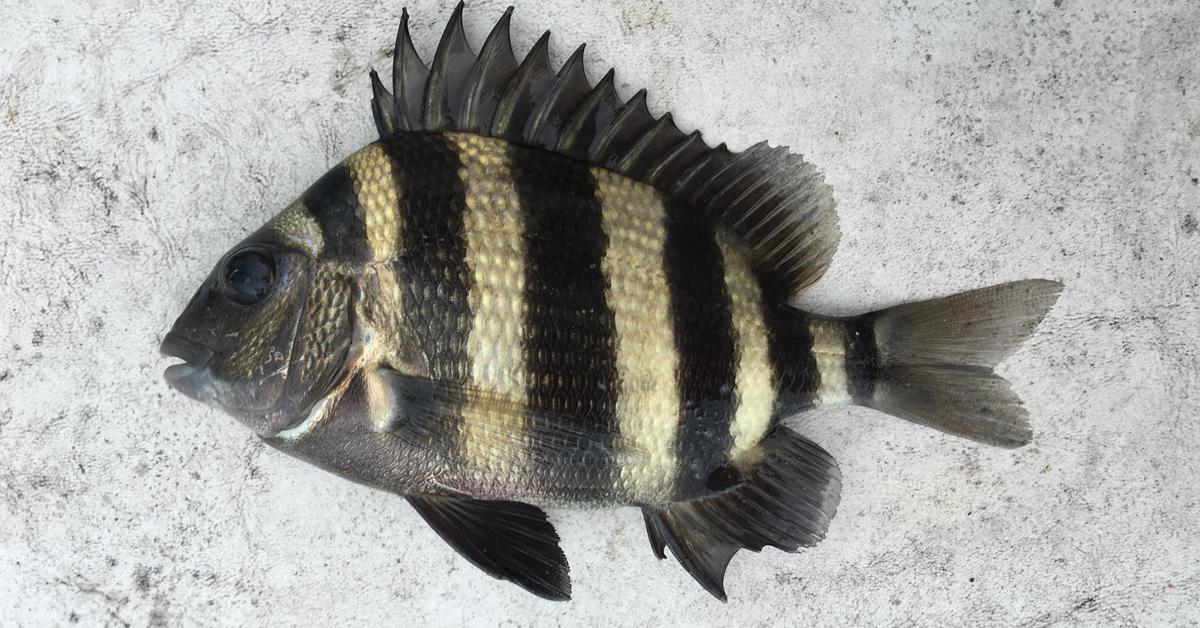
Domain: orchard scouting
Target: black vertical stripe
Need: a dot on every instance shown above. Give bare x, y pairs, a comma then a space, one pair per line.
790, 350
432, 268
570, 345
702, 319
862, 357
333, 203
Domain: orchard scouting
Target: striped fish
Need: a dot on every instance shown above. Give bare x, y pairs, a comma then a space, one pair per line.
531, 292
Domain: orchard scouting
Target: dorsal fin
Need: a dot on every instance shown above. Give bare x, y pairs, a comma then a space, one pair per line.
529, 83
448, 75
597, 111
774, 200
551, 114
494, 67
409, 76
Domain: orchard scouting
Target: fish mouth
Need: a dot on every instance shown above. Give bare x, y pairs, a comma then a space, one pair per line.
195, 358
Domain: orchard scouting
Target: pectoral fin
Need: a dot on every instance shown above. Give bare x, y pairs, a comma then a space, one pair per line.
423, 411
509, 540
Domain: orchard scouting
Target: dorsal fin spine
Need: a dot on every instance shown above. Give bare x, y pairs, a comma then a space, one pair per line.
509, 119
495, 66
445, 88
630, 160
633, 119
409, 76
770, 198
687, 185
383, 106
671, 165
568, 89
603, 95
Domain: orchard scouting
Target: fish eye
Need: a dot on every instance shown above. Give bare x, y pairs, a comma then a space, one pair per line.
249, 275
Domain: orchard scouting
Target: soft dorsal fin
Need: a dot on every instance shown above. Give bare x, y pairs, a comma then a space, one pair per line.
774, 200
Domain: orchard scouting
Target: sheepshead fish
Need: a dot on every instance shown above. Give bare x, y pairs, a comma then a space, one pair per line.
531, 292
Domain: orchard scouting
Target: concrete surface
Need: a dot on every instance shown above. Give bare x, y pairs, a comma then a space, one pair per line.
968, 143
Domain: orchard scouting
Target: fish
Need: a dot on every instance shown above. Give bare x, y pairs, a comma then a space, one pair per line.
531, 293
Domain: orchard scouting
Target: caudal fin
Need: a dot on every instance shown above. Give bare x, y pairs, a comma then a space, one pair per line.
935, 360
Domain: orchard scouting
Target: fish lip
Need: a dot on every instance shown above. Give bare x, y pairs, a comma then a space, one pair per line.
195, 358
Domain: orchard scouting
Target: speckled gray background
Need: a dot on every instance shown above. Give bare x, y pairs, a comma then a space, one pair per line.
968, 144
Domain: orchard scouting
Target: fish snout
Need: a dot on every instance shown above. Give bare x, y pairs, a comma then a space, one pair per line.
195, 358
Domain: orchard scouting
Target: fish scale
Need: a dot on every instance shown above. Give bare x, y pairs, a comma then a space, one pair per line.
529, 291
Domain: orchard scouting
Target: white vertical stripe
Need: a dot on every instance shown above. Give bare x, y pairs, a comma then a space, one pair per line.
491, 440
754, 383
648, 399
378, 199
829, 350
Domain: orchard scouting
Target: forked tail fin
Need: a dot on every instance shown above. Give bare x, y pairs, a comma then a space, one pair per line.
934, 360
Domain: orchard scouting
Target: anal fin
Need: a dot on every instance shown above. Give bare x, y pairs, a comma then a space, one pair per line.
702, 552
508, 540
787, 502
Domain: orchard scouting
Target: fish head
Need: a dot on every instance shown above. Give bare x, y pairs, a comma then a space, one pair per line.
267, 334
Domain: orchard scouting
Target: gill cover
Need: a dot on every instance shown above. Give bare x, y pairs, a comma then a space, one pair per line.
265, 336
